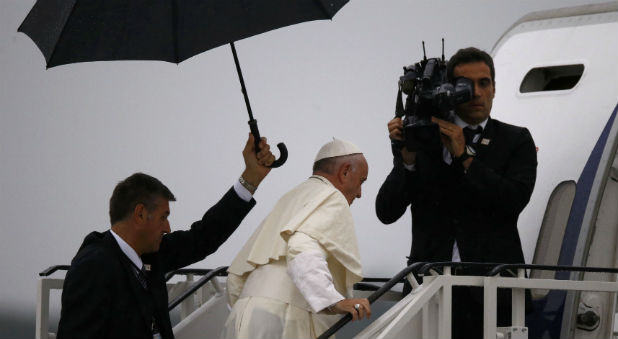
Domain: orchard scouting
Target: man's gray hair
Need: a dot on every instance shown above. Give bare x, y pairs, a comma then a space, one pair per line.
330, 165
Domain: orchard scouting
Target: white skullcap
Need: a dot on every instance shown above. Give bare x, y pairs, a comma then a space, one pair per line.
337, 148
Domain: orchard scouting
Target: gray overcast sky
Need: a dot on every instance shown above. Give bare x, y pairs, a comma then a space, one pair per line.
68, 134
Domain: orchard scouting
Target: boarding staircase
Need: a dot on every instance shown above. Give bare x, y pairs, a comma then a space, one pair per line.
426, 311
198, 307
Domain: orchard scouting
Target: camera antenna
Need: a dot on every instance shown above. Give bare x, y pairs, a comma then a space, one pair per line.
443, 59
424, 54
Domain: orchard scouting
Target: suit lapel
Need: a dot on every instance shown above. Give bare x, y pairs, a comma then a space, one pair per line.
135, 288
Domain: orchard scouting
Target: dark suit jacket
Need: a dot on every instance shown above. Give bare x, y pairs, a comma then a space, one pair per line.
478, 209
102, 298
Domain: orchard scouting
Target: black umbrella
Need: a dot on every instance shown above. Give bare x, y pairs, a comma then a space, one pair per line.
70, 31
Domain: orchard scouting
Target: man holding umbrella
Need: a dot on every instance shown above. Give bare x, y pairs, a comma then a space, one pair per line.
116, 285
75, 31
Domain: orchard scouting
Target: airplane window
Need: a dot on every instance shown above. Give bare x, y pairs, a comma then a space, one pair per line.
551, 78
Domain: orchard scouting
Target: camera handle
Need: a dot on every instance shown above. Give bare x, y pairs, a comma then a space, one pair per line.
399, 111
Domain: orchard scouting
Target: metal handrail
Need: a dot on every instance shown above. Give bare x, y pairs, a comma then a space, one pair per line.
497, 268
208, 274
373, 297
456, 264
502, 267
203, 280
199, 271
186, 271
51, 269
360, 286
382, 280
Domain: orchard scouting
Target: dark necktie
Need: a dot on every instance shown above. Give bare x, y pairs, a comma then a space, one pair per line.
141, 274
141, 277
469, 134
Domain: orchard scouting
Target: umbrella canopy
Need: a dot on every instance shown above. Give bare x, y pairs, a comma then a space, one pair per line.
70, 31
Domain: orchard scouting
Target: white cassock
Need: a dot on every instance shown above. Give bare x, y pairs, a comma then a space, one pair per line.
303, 258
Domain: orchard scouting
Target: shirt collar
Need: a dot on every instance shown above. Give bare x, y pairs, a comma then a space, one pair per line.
323, 179
128, 250
459, 122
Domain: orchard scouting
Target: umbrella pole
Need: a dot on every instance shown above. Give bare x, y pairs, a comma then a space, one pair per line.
252, 122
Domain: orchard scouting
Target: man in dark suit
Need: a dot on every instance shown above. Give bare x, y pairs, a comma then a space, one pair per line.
465, 196
116, 285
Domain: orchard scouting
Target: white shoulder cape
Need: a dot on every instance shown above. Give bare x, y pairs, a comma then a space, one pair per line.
315, 208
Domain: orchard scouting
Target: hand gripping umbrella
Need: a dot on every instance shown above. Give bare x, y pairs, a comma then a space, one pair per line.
70, 31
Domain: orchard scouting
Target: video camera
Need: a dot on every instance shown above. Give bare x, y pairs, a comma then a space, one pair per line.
429, 93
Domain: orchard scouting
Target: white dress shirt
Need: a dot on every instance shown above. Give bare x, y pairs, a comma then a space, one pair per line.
128, 251
242, 192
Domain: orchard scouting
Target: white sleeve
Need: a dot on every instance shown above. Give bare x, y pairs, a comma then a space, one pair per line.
308, 270
242, 192
234, 286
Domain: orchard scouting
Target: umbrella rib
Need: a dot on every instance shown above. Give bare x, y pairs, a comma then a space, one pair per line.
325, 9
51, 55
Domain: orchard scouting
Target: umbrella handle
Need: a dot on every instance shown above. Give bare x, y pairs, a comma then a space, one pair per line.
283, 157
283, 151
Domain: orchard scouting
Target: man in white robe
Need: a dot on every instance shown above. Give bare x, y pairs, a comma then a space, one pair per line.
297, 270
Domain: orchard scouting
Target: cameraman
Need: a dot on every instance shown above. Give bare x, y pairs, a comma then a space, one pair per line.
465, 198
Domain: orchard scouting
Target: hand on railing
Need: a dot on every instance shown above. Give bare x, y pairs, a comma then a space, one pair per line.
374, 296
356, 307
